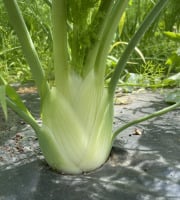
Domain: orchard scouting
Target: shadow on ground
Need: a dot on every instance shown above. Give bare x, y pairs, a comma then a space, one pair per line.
142, 167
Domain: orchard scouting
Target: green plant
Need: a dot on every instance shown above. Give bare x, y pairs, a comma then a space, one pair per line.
154, 45
174, 66
112, 60
151, 74
13, 66
174, 60
148, 75
77, 112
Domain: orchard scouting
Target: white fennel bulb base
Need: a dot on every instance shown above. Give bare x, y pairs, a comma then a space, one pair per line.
76, 133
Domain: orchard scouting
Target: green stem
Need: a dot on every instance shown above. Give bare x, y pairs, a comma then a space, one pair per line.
105, 10
60, 49
133, 42
30, 53
97, 55
26, 117
107, 36
49, 3
158, 85
155, 114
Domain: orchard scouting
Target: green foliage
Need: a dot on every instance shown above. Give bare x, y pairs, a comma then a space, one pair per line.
151, 74
172, 81
173, 36
148, 75
174, 66
173, 97
13, 66
173, 61
171, 16
155, 47
12, 63
112, 60
3, 99
83, 24
77, 112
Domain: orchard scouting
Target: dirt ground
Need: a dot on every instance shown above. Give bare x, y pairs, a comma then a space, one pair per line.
144, 163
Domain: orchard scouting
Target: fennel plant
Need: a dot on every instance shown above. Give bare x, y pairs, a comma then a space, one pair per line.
77, 111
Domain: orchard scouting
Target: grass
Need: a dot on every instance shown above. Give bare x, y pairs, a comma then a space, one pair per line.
13, 66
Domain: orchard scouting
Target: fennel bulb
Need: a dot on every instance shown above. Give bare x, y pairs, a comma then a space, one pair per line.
76, 133
77, 112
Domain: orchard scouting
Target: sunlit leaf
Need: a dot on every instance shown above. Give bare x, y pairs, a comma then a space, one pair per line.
126, 43
15, 98
173, 36
174, 59
121, 23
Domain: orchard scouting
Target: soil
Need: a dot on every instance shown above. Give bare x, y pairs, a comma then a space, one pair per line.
18, 141
144, 162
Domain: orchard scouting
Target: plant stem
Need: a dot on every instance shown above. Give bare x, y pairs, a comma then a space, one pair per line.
60, 49
105, 10
49, 3
155, 114
107, 35
26, 117
158, 85
112, 11
133, 42
30, 53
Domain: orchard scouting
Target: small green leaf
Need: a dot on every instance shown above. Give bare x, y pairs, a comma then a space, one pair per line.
15, 98
173, 97
174, 59
173, 36
172, 81
121, 23
3, 99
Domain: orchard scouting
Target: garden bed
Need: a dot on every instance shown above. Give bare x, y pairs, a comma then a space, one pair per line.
144, 162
